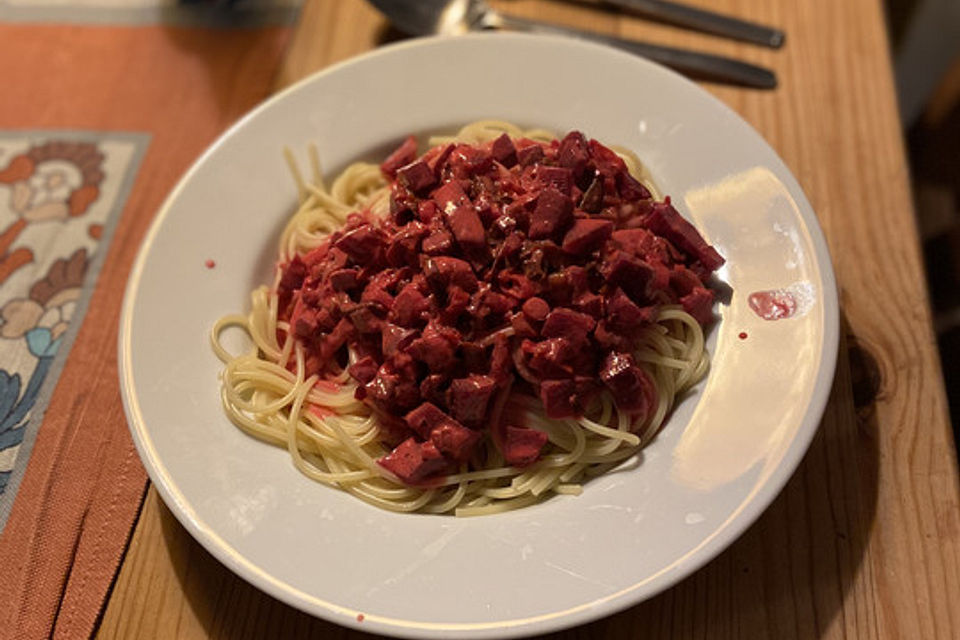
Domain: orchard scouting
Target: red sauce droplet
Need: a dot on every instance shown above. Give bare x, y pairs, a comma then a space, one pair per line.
210, 264
360, 617
327, 385
321, 412
743, 335
773, 305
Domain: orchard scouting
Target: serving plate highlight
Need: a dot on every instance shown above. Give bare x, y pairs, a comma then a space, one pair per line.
722, 457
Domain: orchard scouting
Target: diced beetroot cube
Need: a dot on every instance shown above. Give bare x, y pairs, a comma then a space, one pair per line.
666, 221
660, 281
404, 365
585, 386
468, 398
426, 418
560, 178
434, 348
364, 319
558, 397
522, 327
699, 304
376, 295
568, 324
455, 440
407, 396
683, 280
382, 388
444, 271
304, 322
364, 370
450, 192
361, 244
473, 356
402, 204
550, 358
416, 176
395, 338
332, 342
391, 392
630, 188
522, 445
333, 256
410, 306
427, 210
627, 272
403, 155
500, 360
413, 461
608, 338
497, 303
624, 316
530, 154
404, 247
503, 151
586, 235
434, 388
469, 161
457, 302
465, 224
439, 242
590, 304
606, 159
643, 244
633, 390
293, 274
344, 279
437, 157
552, 214
536, 309
573, 153
578, 277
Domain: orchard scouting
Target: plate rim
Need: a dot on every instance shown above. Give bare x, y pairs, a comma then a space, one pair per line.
742, 518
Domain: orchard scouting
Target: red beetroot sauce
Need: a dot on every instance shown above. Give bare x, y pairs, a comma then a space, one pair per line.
554, 243
773, 305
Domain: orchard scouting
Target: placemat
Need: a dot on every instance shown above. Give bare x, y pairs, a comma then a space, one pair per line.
105, 105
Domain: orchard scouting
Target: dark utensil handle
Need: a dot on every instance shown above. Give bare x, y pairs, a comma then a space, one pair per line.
703, 20
702, 66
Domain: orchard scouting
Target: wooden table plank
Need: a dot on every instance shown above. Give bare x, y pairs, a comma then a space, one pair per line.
864, 542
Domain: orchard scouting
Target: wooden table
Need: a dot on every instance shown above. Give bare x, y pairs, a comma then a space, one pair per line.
864, 542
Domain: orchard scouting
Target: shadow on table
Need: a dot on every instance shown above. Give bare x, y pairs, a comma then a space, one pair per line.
226, 606
787, 577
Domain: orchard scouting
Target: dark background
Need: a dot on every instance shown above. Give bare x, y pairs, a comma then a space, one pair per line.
925, 37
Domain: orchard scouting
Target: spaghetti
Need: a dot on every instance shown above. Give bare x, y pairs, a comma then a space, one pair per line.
579, 331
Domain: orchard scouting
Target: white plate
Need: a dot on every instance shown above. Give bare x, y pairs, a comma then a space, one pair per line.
724, 455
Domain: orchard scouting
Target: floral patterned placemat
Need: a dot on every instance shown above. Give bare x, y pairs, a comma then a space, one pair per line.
60, 194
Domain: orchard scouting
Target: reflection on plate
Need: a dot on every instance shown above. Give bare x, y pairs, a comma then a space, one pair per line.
724, 455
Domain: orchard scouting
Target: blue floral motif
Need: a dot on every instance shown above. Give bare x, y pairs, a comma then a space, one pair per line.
40, 344
14, 407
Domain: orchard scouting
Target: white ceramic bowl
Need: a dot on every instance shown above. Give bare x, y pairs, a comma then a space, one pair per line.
724, 455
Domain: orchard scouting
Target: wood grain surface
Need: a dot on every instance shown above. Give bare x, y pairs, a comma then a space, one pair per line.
864, 541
